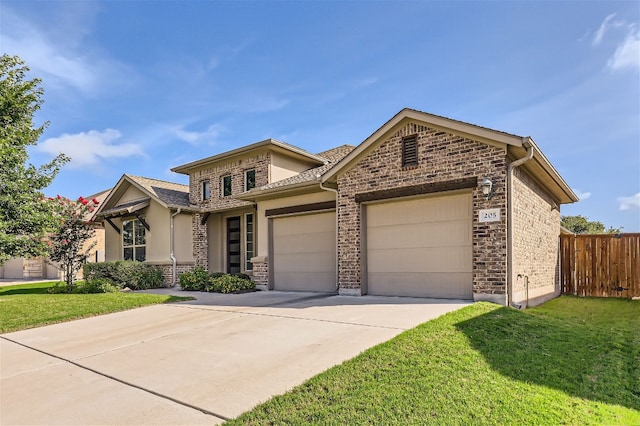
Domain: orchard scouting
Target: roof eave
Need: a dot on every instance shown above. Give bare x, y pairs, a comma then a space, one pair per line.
185, 168
255, 194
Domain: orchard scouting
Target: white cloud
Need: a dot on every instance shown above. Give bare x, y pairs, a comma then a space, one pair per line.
604, 27
627, 203
582, 195
193, 137
627, 54
62, 59
90, 148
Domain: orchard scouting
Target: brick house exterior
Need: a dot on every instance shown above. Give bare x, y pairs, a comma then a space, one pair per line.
426, 206
513, 259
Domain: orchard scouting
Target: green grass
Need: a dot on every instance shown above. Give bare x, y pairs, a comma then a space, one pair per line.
29, 305
570, 361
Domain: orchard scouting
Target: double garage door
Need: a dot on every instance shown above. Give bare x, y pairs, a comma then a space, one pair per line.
417, 247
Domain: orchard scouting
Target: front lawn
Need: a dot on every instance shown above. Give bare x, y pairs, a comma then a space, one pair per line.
29, 305
569, 361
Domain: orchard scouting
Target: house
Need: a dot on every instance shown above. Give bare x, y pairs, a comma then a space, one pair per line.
426, 206
42, 267
149, 220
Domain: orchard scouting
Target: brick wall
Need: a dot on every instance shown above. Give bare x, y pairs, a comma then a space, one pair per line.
261, 274
167, 272
236, 169
536, 229
442, 157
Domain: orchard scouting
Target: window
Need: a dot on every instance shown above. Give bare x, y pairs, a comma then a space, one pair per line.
410, 151
248, 250
226, 186
133, 240
249, 179
206, 190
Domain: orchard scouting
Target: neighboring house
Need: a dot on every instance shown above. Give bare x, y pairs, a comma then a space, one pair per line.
149, 220
426, 206
41, 267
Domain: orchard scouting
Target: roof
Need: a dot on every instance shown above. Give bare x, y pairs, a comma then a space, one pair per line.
288, 149
516, 146
331, 156
99, 197
168, 194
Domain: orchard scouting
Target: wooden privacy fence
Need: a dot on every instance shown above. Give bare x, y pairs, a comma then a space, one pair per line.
600, 265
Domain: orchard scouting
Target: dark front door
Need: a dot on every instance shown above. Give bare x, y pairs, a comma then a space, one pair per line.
233, 245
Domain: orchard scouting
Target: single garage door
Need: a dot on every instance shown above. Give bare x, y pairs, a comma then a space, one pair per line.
420, 247
304, 252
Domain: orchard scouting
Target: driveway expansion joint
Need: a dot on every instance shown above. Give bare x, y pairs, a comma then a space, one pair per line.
124, 382
289, 317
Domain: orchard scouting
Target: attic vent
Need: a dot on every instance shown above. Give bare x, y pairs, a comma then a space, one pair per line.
410, 151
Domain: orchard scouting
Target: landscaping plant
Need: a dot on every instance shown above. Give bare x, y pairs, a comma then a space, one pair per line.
68, 245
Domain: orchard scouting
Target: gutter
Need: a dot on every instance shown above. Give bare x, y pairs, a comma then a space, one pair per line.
174, 261
336, 192
526, 142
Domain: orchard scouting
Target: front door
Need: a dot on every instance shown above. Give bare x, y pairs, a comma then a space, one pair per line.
234, 242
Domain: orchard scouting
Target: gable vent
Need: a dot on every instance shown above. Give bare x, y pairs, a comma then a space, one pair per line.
410, 151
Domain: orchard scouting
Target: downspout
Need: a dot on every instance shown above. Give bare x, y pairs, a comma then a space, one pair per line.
527, 144
172, 255
336, 192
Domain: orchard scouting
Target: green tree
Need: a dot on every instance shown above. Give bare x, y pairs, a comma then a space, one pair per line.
582, 225
25, 216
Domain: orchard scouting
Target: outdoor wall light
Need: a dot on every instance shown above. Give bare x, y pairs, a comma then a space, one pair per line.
487, 187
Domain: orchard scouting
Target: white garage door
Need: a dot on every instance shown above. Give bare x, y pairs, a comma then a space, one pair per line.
304, 252
420, 247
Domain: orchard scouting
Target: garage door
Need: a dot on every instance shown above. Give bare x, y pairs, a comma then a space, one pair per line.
420, 247
304, 252
13, 268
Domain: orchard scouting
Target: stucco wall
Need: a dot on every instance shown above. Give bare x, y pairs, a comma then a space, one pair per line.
442, 157
536, 230
282, 167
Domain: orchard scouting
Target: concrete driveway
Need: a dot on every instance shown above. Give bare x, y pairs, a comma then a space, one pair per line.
195, 362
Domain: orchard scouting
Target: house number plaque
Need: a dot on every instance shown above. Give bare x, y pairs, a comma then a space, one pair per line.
489, 215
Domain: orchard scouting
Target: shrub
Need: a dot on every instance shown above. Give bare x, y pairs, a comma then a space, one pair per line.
195, 280
241, 275
126, 273
229, 284
98, 285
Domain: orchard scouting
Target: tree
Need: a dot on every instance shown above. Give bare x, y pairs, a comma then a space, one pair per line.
68, 245
24, 217
581, 225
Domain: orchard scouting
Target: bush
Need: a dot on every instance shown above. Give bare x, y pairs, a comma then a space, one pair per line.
241, 275
98, 285
229, 284
195, 280
126, 273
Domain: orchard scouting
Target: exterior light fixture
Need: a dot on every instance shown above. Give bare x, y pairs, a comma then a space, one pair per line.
487, 188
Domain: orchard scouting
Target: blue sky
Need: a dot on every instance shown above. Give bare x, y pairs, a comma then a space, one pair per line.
142, 86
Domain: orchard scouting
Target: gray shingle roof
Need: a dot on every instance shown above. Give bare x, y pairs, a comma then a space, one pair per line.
332, 156
170, 193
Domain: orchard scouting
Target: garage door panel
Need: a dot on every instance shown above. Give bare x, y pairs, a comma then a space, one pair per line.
420, 247
304, 252
430, 259
420, 211
445, 234
307, 262
441, 285
306, 243
306, 281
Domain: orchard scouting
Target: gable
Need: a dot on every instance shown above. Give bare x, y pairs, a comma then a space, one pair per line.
408, 122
